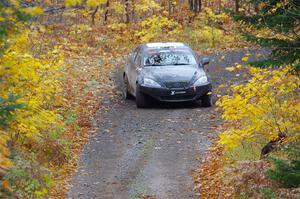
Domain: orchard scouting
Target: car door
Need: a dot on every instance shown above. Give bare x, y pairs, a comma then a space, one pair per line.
129, 66
133, 65
136, 70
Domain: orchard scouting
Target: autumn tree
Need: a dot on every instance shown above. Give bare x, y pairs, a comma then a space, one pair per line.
264, 107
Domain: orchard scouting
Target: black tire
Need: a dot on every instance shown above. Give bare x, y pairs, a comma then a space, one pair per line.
126, 94
140, 100
207, 101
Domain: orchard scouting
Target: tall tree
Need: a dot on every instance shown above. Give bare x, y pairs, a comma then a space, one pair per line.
281, 19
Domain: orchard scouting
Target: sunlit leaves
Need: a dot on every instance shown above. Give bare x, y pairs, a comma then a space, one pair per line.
34, 11
15, 3
151, 27
5, 162
230, 68
118, 7
236, 67
265, 106
36, 81
70, 3
146, 6
94, 3
245, 58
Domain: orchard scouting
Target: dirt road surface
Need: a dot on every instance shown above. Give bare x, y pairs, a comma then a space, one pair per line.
150, 153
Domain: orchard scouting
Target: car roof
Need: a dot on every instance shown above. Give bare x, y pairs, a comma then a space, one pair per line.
158, 45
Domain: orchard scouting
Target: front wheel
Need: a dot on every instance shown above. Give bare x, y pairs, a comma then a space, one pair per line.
207, 100
140, 99
125, 92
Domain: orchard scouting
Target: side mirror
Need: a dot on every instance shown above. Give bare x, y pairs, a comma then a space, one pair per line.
204, 61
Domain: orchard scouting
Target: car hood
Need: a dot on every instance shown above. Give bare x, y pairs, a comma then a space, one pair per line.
178, 73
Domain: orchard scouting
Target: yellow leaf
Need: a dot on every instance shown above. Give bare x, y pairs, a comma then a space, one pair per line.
245, 58
5, 184
94, 3
239, 66
70, 3
231, 68
34, 11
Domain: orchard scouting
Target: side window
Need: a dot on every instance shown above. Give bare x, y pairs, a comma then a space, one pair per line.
197, 58
135, 52
137, 61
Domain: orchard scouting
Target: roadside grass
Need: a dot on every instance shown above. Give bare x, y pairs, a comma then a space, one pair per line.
245, 152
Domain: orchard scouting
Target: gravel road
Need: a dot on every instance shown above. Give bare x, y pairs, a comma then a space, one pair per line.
150, 153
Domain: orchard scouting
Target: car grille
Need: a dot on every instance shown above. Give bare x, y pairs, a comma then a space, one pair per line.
176, 84
178, 97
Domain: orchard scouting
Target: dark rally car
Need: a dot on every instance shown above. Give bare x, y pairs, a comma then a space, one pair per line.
167, 71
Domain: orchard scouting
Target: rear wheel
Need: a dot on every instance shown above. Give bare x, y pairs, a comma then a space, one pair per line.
207, 101
140, 99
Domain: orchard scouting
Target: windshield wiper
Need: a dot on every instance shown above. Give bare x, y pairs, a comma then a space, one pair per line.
181, 64
154, 65
168, 64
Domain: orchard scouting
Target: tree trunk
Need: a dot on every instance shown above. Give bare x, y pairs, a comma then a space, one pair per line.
170, 7
93, 15
237, 6
133, 10
273, 144
219, 6
106, 12
200, 5
127, 15
195, 6
191, 4
256, 7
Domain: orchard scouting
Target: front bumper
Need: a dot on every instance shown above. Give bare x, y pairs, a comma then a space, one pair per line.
193, 93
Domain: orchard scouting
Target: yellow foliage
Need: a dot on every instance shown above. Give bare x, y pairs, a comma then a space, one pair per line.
37, 81
144, 6
245, 58
216, 17
207, 34
266, 105
79, 28
15, 3
70, 3
94, 3
118, 26
5, 162
236, 67
118, 7
154, 26
34, 11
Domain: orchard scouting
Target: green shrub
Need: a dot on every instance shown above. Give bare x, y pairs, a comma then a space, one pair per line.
267, 193
287, 171
7, 108
27, 178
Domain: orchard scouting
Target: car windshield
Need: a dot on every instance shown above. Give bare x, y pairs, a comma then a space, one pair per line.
168, 57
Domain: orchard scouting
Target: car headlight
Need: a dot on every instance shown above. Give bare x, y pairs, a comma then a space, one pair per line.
151, 83
201, 81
